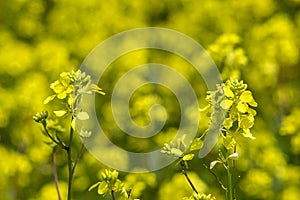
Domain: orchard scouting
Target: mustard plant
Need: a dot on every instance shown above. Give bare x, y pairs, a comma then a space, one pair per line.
111, 185
68, 91
231, 109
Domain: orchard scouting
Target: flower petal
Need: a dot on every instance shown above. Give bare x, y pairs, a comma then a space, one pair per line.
242, 107
226, 104
83, 116
228, 92
62, 95
50, 98
60, 113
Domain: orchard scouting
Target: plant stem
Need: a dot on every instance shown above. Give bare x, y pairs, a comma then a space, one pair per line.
54, 140
55, 175
216, 177
230, 189
187, 177
48, 134
78, 158
70, 167
112, 195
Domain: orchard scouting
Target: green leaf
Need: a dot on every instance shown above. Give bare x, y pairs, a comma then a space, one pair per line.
102, 188
188, 157
60, 113
83, 116
49, 98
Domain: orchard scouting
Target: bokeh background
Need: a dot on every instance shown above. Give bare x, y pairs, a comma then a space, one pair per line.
257, 41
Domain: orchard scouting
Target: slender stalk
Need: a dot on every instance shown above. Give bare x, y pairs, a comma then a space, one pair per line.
55, 175
230, 188
78, 158
187, 177
216, 177
112, 195
48, 134
54, 140
70, 164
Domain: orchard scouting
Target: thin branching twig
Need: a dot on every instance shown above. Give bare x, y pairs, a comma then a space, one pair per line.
55, 174
187, 177
216, 177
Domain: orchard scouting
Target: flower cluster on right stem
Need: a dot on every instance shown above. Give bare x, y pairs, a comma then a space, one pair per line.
238, 102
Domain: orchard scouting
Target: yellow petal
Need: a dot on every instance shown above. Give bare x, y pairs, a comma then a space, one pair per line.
246, 96
62, 95
60, 113
70, 89
248, 134
73, 124
58, 88
54, 84
228, 92
226, 104
50, 98
70, 101
253, 103
83, 116
242, 107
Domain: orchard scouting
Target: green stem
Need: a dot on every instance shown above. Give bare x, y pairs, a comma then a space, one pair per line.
49, 135
55, 175
230, 188
78, 158
187, 177
54, 140
112, 195
70, 164
216, 177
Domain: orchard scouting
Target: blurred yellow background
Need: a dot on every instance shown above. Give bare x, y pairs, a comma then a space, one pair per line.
41, 38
